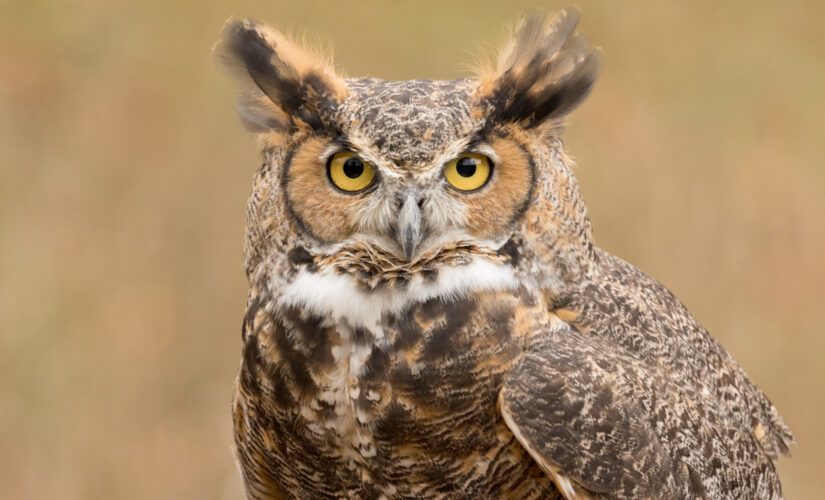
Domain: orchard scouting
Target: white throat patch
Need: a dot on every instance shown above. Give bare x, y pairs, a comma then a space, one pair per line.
328, 293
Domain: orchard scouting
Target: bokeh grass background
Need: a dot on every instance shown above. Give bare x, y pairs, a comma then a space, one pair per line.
124, 173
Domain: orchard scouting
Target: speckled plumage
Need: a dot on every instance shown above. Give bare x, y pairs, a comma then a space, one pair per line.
506, 357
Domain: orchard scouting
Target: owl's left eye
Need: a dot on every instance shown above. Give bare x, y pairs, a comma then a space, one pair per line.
468, 172
349, 172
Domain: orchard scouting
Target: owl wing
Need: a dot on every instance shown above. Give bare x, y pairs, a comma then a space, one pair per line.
251, 450
603, 424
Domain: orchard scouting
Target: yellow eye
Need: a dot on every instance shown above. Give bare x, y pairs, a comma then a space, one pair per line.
349, 172
468, 172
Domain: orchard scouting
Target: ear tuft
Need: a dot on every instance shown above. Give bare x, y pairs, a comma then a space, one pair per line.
283, 85
542, 74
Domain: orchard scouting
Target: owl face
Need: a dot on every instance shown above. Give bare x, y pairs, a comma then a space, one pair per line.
399, 174
404, 168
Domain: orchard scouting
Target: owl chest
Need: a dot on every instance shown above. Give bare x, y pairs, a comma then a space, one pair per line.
405, 404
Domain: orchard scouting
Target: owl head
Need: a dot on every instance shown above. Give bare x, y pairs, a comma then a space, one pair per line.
392, 181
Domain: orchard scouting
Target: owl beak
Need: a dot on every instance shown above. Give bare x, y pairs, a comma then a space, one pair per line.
410, 233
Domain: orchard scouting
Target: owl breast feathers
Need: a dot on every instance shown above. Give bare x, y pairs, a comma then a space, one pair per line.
428, 316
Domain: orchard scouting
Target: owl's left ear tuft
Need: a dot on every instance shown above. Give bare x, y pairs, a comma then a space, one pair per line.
542, 74
284, 85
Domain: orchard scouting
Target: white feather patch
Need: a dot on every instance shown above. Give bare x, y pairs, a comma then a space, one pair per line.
331, 294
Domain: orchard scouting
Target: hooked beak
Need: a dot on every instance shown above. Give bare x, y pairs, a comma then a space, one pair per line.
410, 232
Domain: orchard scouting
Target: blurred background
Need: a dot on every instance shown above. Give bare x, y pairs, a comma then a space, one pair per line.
124, 173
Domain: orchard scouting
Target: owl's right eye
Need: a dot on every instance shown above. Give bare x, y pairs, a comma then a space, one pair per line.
350, 173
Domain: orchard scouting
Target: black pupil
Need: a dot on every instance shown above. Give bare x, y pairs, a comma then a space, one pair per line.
466, 167
353, 168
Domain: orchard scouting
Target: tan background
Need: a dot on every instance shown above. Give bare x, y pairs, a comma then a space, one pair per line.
124, 173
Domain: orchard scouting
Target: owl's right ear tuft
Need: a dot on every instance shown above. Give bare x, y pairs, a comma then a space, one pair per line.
284, 86
542, 74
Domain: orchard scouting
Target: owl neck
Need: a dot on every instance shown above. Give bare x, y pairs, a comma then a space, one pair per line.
557, 226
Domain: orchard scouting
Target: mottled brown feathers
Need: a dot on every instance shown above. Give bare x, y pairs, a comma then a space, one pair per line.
697, 406
420, 421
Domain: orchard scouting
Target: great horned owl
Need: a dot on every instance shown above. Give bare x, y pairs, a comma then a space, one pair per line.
428, 316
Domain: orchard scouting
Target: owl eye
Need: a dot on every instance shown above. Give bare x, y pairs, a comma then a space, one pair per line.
468, 172
350, 173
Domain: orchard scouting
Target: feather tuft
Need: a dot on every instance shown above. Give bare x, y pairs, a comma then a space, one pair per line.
542, 74
284, 84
